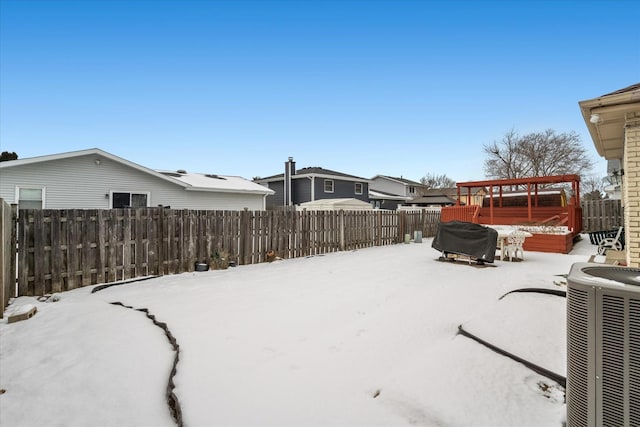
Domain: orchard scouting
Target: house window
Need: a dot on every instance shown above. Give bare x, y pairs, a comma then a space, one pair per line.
129, 200
328, 186
30, 198
412, 189
358, 188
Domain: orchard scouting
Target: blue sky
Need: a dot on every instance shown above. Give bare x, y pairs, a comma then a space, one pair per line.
363, 87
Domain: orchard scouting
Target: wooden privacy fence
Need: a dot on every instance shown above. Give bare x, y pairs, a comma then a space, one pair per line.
60, 250
7, 253
599, 215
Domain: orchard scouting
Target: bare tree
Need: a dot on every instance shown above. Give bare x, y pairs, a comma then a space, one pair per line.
536, 154
431, 181
593, 187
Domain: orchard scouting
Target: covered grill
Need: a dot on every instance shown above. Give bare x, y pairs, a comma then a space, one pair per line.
465, 238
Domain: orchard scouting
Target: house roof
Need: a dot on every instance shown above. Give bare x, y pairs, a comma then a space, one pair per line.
314, 171
605, 118
337, 204
434, 200
190, 182
217, 183
451, 191
400, 179
377, 194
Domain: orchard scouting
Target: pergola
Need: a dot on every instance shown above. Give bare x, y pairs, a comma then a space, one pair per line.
533, 186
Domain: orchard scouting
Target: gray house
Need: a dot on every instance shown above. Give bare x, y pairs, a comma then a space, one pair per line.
388, 192
95, 179
296, 186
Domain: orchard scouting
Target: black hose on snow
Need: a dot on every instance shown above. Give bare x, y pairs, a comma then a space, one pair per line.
539, 369
556, 292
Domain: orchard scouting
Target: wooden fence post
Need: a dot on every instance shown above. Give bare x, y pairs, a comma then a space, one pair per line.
341, 229
402, 224
7, 254
243, 241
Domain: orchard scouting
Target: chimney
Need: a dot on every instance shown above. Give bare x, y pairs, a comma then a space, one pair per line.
289, 171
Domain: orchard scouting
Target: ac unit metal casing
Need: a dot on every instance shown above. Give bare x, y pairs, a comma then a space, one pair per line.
603, 346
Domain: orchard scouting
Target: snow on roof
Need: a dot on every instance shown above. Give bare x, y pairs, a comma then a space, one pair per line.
377, 194
349, 204
213, 182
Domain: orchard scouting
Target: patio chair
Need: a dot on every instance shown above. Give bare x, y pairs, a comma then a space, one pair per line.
611, 243
515, 240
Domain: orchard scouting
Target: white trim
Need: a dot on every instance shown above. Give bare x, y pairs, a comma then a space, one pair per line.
355, 188
31, 187
147, 193
313, 187
324, 185
315, 175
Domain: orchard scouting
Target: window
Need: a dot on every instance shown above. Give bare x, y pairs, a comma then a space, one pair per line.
129, 200
328, 186
30, 198
358, 188
412, 189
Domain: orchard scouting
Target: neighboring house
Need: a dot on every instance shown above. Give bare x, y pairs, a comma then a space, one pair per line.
383, 200
475, 196
388, 192
309, 184
95, 179
613, 121
398, 186
431, 200
613, 189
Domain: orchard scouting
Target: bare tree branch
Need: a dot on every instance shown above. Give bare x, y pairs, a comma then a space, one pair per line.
536, 154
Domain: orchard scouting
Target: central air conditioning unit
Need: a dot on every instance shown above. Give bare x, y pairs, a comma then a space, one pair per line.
603, 346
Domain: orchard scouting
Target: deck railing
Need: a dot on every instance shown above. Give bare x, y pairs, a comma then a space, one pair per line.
460, 213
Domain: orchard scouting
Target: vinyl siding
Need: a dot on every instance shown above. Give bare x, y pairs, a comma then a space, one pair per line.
78, 183
388, 186
341, 189
302, 190
276, 199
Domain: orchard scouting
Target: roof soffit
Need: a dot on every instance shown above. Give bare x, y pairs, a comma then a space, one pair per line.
613, 110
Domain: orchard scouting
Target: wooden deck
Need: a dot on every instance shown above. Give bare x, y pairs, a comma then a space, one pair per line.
498, 212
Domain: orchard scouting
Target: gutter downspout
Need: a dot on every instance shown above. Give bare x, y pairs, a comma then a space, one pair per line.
313, 187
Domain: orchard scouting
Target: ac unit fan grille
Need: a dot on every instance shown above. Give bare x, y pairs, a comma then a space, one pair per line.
613, 356
634, 362
577, 361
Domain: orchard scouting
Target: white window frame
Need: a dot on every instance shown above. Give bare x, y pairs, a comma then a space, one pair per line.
355, 189
327, 181
31, 187
147, 193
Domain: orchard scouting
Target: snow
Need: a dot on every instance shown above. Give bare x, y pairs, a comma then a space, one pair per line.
367, 337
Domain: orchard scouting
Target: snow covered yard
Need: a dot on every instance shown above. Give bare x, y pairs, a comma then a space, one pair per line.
362, 338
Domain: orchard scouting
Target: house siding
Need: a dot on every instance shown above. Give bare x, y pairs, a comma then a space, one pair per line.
631, 193
302, 190
277, 198
341, 189
79, 183
388, 186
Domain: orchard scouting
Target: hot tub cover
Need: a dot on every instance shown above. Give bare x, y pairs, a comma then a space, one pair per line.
465, 238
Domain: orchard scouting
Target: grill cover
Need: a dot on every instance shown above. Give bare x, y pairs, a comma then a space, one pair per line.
465, 238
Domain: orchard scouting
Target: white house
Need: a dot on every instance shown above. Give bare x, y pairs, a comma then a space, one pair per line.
613, 121
95, 179
387, 192
398, 186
